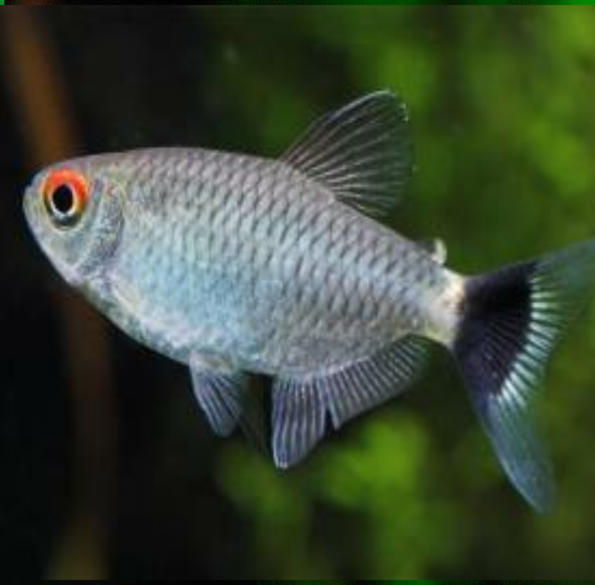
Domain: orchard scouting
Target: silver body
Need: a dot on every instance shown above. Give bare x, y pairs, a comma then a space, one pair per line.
247, 263
233, 264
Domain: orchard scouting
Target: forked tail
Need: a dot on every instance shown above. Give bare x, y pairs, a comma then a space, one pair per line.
511, 320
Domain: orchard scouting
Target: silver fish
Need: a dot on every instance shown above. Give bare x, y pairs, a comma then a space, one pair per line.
234, 264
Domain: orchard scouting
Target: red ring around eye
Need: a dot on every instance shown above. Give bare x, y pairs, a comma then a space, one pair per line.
70, 178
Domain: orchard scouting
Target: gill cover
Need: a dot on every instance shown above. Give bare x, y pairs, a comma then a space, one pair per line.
104, 224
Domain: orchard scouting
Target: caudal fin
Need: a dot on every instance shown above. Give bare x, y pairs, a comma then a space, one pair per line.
510, 322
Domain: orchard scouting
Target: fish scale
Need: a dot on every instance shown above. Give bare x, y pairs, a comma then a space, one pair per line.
235, 264
217, 195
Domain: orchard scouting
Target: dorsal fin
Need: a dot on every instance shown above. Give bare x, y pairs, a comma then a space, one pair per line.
361, 152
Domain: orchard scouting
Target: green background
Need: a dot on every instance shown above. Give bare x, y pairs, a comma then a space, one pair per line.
501, 102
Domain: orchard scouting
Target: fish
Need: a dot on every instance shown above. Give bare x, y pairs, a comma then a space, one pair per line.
235, 265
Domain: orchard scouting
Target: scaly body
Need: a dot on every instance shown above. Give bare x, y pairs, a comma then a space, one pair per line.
249, 264
235, 264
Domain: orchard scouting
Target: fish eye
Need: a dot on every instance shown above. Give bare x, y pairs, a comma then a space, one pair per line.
65, 194
62, 200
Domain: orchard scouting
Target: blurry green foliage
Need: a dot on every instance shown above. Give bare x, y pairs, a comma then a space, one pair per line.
501, 103
501, 106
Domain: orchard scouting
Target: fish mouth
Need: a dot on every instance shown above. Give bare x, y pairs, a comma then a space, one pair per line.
41, 230
26, 208
30, 215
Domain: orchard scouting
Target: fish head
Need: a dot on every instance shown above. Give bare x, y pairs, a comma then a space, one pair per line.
75, 212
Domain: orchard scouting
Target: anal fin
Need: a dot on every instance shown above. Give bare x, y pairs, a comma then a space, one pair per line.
301, 407
299, 419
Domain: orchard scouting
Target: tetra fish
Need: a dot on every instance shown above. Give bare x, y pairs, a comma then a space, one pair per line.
233, 264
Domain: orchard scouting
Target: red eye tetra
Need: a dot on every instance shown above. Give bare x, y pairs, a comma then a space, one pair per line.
65, 194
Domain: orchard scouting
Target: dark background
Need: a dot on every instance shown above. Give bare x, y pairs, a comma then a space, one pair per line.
106, 466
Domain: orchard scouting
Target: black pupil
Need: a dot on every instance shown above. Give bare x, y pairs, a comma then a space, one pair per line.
63, 199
